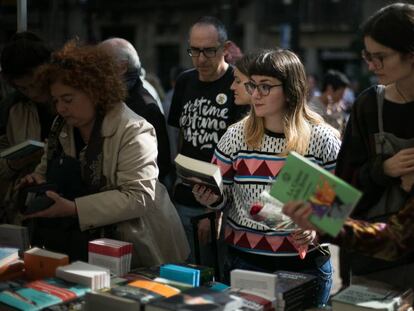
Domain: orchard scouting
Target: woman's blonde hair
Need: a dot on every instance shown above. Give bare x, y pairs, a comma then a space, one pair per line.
285, 66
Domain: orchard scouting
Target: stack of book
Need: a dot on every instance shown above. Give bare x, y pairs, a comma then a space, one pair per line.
41, 263
14, 236
253, 301
180, 274
111, 254
295, 291
86, 274
37, 295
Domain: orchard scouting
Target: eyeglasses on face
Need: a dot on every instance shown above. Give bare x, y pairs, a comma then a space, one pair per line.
376, 59
207, 52
262, 88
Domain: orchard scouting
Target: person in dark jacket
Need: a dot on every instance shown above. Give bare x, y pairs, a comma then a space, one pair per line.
139, 99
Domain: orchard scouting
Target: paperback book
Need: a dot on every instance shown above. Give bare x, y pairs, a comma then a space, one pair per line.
331, 198
22, 150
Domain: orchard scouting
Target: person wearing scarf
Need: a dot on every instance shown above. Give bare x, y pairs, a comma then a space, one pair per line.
102, 157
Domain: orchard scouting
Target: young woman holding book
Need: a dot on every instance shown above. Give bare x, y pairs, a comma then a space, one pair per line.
378, 145
102, 158
250, 156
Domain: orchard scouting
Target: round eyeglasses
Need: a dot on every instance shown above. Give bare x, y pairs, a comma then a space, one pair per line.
262, 88
376, 59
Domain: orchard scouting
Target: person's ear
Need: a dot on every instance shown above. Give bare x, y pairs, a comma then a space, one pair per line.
122, 67
226, 47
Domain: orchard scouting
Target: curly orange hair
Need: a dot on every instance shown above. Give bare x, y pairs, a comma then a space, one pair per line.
86, 68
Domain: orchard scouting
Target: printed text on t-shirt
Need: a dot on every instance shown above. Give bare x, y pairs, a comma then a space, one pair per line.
201, 121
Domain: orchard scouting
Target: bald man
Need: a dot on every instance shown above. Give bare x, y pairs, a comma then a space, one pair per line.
139, 98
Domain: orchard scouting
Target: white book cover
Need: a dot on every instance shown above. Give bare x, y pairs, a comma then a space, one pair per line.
256, 282
86, 274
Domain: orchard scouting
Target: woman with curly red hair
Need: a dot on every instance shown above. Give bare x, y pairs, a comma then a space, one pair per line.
102, 158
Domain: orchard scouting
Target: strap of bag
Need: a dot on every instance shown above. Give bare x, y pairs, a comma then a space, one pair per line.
380, 103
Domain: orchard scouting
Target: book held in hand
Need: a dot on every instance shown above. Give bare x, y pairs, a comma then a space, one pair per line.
196, 172
22, 150
331, 198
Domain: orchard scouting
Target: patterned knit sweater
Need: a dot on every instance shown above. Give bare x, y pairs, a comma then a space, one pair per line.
247, 173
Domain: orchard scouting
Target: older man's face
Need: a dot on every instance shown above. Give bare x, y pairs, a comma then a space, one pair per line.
205, 37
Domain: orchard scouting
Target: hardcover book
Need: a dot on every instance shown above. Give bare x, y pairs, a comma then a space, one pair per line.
193, 172
331, 198
22, 150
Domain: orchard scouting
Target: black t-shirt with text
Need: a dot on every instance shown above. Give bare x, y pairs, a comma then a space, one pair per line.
203, 111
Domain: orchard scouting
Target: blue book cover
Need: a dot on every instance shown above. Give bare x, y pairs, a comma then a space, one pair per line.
39, 294
180, 274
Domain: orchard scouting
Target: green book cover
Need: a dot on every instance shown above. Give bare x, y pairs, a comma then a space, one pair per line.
332, 199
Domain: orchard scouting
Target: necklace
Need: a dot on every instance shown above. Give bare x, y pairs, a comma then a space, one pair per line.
400, 93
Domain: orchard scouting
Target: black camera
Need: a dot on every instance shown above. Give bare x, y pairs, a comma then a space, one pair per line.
36, 198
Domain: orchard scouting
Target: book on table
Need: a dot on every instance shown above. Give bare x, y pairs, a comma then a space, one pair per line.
37, 295
8, 255
41, 263
363, 298
331, 198
196, 172
14, 236
197, 298
22, 149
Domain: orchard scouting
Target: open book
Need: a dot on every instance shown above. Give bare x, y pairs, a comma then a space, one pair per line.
332, 199
193, 172
22, 150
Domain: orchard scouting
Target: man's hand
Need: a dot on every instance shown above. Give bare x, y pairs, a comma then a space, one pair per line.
400, 164
61, 208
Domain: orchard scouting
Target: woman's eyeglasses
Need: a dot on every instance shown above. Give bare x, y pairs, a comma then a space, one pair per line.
376, 59
262, 88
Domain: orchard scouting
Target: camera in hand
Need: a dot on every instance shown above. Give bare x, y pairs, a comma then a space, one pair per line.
36, 198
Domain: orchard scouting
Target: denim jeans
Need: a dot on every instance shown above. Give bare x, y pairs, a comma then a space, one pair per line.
323, 274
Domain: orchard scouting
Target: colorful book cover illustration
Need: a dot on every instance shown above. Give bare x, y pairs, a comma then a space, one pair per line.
332, 199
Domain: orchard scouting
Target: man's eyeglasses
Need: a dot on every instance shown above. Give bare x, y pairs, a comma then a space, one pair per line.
262, 88
208, 52
376, 59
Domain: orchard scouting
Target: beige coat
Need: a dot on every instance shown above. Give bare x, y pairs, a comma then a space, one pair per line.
134, 199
